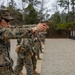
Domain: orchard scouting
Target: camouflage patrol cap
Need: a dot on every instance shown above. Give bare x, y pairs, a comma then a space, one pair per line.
4, 13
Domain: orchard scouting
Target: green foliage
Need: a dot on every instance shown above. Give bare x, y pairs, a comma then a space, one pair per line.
62, 21
16, 14
31, 16
71, 24
62, 26
65, 26
67, 5
56, 18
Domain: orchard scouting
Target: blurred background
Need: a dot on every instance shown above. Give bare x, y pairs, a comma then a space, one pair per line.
60, 15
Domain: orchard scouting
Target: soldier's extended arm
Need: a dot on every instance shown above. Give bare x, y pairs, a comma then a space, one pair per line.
16, 33
8, 33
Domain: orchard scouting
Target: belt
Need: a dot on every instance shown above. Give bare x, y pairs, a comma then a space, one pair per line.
5, 68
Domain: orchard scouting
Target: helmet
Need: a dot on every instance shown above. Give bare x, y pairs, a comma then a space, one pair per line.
4, 13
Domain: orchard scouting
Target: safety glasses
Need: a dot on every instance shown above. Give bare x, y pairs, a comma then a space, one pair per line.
7, 20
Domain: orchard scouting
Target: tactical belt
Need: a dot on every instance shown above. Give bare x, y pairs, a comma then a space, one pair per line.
5, 68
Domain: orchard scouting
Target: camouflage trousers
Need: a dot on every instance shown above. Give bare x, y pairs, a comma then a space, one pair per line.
43, 40
37, 50
7, 72
27, 61
34, 61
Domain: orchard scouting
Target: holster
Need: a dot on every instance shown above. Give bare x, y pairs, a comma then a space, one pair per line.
18, 47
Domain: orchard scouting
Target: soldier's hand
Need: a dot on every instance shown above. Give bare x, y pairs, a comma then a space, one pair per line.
44, 24
40, 27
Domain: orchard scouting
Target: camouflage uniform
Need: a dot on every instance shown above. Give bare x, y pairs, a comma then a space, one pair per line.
37, 45
24, 57
19, 41
34, 59
42, 37
5, 35
34, 62
27, 44
40, 40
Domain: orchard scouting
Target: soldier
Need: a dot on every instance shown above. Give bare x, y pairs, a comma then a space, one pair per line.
24, 56
37, 45
34, 59
6, 34
40, 37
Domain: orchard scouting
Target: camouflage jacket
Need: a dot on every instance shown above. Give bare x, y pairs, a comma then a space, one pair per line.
5, 35
26, 47
42, 36
37, 42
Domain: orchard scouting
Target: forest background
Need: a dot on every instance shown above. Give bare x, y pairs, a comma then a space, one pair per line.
28, 12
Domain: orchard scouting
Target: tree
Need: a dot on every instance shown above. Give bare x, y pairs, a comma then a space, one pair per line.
73, 8
64, 3
2, 3
43, 10
67, 4
56, 18
31, 16
17, 16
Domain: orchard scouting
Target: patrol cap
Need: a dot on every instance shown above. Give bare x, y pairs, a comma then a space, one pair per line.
4, 13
